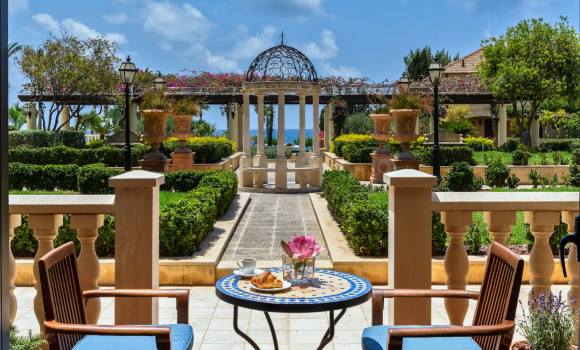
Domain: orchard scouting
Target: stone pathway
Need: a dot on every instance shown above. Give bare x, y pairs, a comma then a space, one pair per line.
269, 219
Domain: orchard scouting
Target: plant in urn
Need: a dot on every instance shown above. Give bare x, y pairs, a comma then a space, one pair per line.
182, 157
382, 132
155, 108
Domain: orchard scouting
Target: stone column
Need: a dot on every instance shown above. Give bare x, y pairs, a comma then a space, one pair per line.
541, 258
260, 160
281, 162
14, 221
31, 119
535, 132
456, 262
137, 244
417, 127
64, 118
409, 244
247, 161
133, 117
45, 230
573, 267
240, 128
88, 263
499, 224
431, 124
301, 157
502, 125
316, 160
327, 117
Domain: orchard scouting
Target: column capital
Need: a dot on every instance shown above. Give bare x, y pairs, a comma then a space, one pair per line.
315, 92
303, 94
246, 92
281, 93
259, 94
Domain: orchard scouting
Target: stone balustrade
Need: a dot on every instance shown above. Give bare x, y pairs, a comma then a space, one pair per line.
542, 212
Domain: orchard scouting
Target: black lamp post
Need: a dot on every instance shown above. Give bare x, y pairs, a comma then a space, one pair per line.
127, 72
435, 73
160, 83
27, 110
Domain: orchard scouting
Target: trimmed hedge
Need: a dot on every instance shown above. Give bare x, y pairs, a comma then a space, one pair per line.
562, 145
207, 149
354, 154
44, 138
109, 155
449, 155
357, 140
510, 145
479, 144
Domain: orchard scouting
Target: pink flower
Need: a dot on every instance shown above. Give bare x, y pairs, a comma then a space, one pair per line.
304, 247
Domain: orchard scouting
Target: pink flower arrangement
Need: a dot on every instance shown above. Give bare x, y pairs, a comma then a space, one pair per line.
321, 134
301, 248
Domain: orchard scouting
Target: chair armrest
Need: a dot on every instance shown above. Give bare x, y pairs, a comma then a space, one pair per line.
182, 296
378, 296
396, 335
162, 334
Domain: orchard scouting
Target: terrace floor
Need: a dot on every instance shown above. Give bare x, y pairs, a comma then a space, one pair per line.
212, 321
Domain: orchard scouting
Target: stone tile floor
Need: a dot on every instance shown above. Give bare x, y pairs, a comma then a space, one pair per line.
269, 219
212, 321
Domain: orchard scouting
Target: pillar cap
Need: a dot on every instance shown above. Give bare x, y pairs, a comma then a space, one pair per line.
410, 178
137, 178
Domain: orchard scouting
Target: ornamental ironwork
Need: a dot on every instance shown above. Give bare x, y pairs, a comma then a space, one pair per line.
282, 62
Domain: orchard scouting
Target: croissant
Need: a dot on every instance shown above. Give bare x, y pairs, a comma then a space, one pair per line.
266, 280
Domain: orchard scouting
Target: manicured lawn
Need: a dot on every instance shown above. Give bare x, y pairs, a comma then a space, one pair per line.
507, 157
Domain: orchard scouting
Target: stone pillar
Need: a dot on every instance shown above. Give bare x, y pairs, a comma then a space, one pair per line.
260, 160
456, 262
573, 267
240, 128
381, 164
417, 127
45, 230
301, 157
541, 258
31, 119
431, 124
502, 125
64, 118
409, 244
327, 117
316, 160
281, 162
133, 117
137, 244
14, 221
535, 133
88, 263
247, 161
499, 224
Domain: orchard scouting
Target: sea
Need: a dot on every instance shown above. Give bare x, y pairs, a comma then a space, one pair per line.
289, 134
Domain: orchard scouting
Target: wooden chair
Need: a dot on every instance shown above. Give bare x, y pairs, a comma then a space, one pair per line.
493, 324
66, 323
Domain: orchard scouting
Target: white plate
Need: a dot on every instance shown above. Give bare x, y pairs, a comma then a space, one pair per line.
241, 273
285, 285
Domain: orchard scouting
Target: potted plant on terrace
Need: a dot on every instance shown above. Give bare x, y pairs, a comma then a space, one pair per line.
155, 108
185, 109
549, 324
321, 139
382, 120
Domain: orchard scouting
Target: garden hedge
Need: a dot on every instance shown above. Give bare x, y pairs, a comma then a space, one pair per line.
479, 144
562, 145
355, 154
182, 225
449, 155
109, 155
207, 149
44, 138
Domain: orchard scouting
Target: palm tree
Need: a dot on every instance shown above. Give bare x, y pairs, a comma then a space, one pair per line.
202, 107
203, 128
16, 116
13, 48
269, 120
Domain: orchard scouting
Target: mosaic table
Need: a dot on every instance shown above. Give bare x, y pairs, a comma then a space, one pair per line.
329, 291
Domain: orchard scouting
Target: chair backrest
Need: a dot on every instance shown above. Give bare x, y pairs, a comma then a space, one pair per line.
61, 292
498, 298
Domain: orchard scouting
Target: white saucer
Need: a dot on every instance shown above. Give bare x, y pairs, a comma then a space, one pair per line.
285, 285
241, 273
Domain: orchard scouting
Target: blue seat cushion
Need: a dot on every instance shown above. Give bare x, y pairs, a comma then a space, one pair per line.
181, 339
375, 338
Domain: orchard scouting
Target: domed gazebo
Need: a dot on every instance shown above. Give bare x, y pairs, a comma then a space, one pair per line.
281, 70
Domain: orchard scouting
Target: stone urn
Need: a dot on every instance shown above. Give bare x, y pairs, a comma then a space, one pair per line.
182, 156
382, 131
405, 120
155, 134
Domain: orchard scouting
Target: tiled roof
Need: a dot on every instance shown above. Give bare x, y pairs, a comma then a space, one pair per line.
465, 65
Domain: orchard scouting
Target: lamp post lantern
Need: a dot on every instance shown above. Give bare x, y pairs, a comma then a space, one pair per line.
160, 83
404, 81
127, 72
435, 73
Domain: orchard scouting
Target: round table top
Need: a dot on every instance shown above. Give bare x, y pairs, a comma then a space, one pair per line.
330, 290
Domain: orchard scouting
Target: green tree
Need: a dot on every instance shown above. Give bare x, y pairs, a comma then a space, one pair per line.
534, 61
16, 116
269, 121
13, 49
418, 61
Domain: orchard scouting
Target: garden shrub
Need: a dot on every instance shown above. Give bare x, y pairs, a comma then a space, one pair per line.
510, 145
560, 231
513, 181
461, 178
574, 177
476, 237
42, 177
207, 149
558, 159
354, 154
439, 237
46, 138
95, 143
25, 342
496, 174
562, 145
544, 160
416, 145
94, 179
449, 155
479, 144
357, 140
359, 123
227, 183
521, 156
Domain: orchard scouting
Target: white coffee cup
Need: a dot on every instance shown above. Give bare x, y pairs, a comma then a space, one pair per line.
248, 265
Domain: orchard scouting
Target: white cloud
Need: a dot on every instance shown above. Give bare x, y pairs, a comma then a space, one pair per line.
15, 6
252, 46
47, 22
116, 37
116, 18
78, 29
340, 71
176, 23
326, 50
301, 9
221, 63
165, 46
500, 5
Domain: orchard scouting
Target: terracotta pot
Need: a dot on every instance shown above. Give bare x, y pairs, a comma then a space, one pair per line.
155, 132
572, 347
405, 120
321, 143
382, 130
182, 124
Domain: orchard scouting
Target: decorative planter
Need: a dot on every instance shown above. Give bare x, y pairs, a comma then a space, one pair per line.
321, 143
182, 124
382, 131
290, 147
405, 120
298, 271
155, 135
521, 342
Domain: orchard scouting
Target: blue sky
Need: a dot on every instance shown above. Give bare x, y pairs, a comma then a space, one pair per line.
341, 37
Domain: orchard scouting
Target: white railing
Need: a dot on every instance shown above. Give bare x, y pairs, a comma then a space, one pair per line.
91, 137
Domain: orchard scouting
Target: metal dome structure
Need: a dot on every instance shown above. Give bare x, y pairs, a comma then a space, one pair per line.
282, 61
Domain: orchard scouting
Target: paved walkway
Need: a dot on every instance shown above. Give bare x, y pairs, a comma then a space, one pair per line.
269, 219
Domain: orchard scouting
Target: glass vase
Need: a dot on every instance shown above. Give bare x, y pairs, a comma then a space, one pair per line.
298, 271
